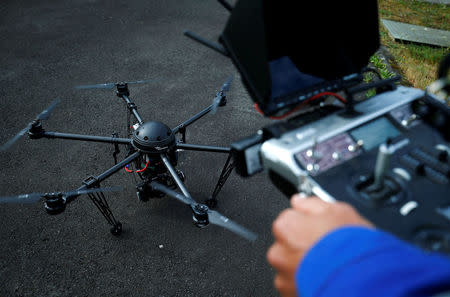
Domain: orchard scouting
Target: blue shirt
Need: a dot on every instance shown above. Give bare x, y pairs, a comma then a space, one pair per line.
357, 261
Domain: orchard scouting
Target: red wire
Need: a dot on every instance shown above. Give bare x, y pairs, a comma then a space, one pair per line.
340, 98
144, 167
140, 170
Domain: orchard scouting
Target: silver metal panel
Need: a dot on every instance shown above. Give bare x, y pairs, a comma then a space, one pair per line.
279, 154
419, 34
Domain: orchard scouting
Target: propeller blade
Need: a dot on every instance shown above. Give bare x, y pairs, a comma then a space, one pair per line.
98, 86
145, 81
214, 217
173, 194
112, 85
216, 101
217, 219
94, 190
226, 85
35, 197
24, 198
45, 115
22, 132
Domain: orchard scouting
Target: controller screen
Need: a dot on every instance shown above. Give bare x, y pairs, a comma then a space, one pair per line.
375, 133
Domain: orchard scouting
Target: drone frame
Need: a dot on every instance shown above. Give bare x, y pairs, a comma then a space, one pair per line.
55, 206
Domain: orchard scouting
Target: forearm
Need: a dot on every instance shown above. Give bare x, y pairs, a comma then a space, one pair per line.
357, 261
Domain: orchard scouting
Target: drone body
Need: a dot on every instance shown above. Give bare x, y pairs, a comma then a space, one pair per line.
152, 155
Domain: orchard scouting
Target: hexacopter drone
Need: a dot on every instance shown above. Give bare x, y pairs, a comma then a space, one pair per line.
152, 155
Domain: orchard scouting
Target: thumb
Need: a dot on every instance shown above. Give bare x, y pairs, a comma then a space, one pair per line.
309, 205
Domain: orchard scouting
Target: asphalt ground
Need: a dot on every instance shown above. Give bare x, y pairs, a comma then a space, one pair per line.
47, 48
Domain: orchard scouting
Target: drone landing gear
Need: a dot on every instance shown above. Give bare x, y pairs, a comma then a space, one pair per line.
99, 200
101, 203
226, 171
116, 230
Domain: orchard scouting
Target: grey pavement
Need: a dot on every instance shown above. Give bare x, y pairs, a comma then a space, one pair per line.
47, 48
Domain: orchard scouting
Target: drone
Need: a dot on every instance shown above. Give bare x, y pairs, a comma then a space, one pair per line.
152, 156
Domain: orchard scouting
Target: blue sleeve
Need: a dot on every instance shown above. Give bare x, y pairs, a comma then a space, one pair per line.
356, 261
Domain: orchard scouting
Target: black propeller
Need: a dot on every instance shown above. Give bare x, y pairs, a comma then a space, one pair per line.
221, 96
42, 116
112, 85
36, 197
203, 215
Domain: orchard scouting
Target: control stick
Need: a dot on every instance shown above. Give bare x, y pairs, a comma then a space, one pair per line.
382, 187
382, 164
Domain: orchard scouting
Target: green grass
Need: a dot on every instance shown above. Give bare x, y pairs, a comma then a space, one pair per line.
382, 67
383, 70
416, 63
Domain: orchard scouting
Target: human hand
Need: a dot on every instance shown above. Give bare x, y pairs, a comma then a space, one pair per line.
298, 228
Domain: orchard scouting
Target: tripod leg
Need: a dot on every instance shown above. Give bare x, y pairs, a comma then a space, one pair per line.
226, 171
212, 45
226, 5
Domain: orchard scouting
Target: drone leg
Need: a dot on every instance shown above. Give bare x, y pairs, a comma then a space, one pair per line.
183, 134
116, 148
226, 171
101, 203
